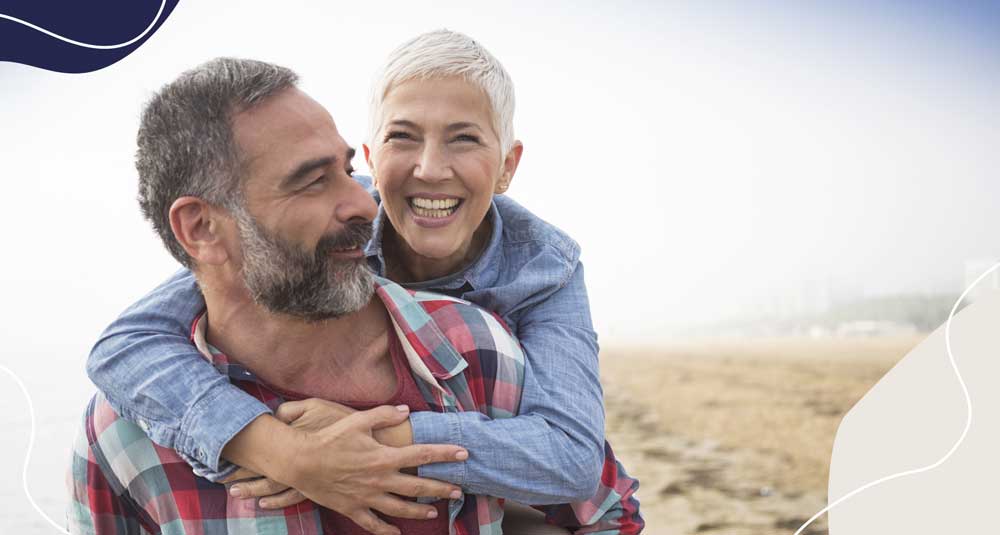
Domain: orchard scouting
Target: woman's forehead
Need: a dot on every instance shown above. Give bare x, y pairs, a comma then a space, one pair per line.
447, 100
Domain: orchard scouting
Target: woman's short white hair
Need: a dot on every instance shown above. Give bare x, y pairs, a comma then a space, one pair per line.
441, 54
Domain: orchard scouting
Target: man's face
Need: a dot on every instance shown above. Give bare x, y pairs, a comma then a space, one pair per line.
305, 222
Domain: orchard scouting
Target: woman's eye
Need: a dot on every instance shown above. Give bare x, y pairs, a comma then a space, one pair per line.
397, 135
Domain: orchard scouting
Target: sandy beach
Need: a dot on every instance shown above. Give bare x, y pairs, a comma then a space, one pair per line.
734, 437
726, 438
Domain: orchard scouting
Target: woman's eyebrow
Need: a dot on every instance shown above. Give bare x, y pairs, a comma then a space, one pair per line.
403, 122
463, 125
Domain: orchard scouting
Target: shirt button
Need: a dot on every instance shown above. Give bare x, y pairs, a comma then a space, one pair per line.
143, 425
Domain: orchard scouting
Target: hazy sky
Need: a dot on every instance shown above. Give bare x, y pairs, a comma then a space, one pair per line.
707, 156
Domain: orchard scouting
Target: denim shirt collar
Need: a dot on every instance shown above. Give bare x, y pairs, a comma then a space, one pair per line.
481, 273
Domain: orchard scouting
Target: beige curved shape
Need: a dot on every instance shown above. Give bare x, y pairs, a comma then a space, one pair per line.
912, 418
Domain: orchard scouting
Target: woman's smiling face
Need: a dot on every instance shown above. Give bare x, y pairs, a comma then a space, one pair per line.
437, 163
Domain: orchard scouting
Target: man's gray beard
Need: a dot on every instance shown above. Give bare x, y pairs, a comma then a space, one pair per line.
285, 279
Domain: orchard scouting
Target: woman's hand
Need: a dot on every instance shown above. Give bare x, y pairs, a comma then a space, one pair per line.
310, 414
344, 465
314, 414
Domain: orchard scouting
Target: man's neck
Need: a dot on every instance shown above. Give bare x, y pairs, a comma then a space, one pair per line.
327, 359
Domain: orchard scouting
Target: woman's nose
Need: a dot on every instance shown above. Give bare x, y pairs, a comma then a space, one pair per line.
433, 164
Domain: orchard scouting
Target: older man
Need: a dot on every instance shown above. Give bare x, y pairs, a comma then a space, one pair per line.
274, 231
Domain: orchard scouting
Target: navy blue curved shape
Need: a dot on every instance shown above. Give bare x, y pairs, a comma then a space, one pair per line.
93, 22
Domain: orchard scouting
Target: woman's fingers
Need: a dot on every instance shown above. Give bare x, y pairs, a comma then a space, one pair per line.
419, 487
257, 488
393, 506
290, 411
383, 416
421, 454
282, 500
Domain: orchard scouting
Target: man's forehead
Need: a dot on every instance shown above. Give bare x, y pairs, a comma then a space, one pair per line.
285, 129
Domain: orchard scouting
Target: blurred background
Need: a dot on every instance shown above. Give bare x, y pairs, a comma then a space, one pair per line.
776, 201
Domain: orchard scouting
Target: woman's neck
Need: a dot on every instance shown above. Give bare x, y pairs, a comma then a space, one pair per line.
404, 265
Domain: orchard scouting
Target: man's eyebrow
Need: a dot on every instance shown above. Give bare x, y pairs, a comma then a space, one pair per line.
305, 168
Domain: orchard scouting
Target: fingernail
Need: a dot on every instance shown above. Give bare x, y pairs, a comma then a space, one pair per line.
264, 504
236, 492
462, 455
455, 494
432, 514
402, 408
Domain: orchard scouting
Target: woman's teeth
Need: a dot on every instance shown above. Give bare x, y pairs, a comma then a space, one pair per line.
436, 208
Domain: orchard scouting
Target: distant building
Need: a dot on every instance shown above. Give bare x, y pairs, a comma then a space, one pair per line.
973, 270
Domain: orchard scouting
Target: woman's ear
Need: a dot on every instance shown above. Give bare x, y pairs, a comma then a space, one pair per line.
196, 227
368, 160
509, 167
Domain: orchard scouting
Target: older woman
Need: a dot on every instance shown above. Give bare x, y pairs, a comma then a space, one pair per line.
441, 146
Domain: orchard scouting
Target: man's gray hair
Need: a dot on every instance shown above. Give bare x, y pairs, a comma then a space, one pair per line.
186, 144
442, 54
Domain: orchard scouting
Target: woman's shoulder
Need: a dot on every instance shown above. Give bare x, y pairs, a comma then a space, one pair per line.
524, 230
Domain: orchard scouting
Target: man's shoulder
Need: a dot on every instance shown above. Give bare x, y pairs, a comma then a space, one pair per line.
468, 327
120, 447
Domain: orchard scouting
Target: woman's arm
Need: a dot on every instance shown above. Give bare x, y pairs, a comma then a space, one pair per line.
553, 451
153, 375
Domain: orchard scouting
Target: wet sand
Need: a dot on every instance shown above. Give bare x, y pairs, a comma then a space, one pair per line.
735, 437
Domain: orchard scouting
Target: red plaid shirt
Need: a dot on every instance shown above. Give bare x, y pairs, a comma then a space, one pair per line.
462, 359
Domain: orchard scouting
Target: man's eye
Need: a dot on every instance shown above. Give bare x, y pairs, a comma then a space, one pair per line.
350, 171
467, 138
316, 183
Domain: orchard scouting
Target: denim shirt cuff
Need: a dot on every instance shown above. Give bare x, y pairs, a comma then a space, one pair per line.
211, 423
437, 428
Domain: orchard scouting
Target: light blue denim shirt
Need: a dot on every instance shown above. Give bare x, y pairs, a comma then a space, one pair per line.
529, 274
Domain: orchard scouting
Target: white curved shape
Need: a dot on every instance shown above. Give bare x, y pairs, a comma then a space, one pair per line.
31, 445
163, 4
968, 419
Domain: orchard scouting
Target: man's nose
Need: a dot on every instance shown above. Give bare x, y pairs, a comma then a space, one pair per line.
354, 203
433, 164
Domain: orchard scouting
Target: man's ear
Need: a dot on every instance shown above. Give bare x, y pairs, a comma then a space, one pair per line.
368, 160
509, 167
197, 227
